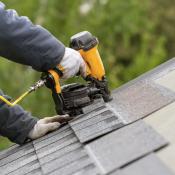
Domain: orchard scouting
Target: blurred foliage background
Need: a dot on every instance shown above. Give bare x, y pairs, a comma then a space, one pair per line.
134, 36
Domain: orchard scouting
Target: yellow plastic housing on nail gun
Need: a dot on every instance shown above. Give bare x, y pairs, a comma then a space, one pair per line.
94, 63
87, 45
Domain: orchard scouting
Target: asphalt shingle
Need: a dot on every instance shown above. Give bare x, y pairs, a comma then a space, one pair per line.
140, 99
20, 152
149, 165
63, 160
88, 170
74, 167
52, 139
28, 168
11, 150
35, 172
60, 153
18, 163
124, 145
98, 121
48, 136
56, 146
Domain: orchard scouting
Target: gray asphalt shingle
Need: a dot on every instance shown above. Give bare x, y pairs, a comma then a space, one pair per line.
149, 165
18, 163
61, 129
60, 153
124, 145
140, 99
56, 146
74, 167
28, 168
53, 139
22, 151
35, 172
64, 160
98, 121
12, 150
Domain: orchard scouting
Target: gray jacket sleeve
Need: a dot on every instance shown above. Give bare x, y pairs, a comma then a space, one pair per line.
28, 44
15, 123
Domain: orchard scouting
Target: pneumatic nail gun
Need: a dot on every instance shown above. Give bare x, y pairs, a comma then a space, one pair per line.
71, 98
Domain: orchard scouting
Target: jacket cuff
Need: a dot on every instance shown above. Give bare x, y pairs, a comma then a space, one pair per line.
23, 137
16, 123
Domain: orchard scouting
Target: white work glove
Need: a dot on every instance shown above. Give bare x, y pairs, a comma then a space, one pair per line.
72, 63
46, 125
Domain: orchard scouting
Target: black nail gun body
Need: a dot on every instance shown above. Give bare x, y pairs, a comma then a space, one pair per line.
70, 99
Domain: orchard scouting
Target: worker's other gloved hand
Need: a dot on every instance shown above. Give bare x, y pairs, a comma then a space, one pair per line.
72, 63
45, 125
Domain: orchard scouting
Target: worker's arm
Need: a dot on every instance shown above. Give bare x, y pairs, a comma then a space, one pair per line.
28, 44
15, 123
19, 125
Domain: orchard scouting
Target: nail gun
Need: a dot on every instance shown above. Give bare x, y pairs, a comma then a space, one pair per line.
71, 98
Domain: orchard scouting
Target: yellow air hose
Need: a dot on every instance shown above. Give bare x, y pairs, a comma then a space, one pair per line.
37, 85
16, 101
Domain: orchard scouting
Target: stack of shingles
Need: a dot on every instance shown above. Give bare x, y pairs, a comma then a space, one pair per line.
137, 148
59, 152
18, 160
109, 138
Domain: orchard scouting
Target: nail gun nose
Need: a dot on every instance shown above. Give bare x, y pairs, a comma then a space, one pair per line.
92, 92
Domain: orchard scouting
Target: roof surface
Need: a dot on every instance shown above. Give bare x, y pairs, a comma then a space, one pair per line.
133, 134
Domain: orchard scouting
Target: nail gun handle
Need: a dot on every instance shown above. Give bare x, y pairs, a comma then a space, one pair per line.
52, 78
87, 44
94, 64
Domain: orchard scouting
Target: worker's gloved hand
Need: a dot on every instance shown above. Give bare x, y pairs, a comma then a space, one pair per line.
72, 63
46, 125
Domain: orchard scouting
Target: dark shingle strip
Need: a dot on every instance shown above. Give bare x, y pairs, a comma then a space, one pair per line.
87, 116
18, 163
24, 150
62, 129
96, 104
98, 129
56, 146
63, 160
91, 119
8, 150
87, 170
26, 168
53, 139
12, 150
73, 167
35, 172
60, 153
99, 121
